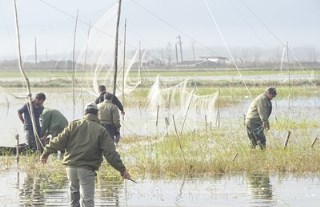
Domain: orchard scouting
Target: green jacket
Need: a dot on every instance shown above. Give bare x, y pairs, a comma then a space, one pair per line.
108, 113
259, 110
52, 122
84, 142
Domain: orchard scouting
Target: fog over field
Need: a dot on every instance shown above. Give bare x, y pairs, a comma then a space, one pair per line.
247, 29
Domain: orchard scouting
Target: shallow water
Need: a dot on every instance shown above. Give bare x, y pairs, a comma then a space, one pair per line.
20, 189
139, 121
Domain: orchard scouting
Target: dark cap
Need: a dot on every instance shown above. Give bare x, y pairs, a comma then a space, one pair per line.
272, 91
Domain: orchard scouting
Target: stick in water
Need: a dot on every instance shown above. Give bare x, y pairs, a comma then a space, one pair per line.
132, 180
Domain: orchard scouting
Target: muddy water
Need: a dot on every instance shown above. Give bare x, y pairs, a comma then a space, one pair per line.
20, 189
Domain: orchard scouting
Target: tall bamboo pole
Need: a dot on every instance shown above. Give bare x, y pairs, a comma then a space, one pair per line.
73, 65
124, 65
124, 57
36, 136
116, 51
84, 64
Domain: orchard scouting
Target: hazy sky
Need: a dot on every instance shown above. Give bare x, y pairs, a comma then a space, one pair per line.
155, 23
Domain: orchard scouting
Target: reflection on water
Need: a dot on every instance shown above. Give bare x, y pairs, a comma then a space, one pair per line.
23, 189
260, 186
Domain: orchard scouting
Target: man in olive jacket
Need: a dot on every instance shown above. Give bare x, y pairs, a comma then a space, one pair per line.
109, 117
257, 118
84, 142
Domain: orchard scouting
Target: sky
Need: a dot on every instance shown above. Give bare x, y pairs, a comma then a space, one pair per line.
156, 24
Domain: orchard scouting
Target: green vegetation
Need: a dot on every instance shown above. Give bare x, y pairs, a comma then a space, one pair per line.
194, 154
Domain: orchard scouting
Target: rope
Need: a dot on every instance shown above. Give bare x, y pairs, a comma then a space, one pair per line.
227, 47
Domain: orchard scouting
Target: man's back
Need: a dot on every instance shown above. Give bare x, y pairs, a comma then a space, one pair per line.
108, 113
53, 121
259, 110
84, 142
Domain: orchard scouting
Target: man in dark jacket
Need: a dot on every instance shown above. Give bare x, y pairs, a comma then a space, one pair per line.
257, 118
114, 99
27, 119
85, 141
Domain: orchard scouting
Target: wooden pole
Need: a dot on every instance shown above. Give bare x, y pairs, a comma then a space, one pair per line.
36, 136
177, 60
218, 112
116, 50
287, 139
234, 158
314, 141
178, 138
17, 148
73, 65
35, 52
124, 64
180, 45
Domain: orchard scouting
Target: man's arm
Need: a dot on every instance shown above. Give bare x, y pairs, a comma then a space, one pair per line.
262, 108
116, 101
21, 111
21, 117
57, 143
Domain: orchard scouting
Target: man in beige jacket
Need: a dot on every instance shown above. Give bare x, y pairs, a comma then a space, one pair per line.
257, 118
109, 117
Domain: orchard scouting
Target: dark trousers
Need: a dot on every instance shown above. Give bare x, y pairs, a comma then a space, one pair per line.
256, 135
110, 129
30, 137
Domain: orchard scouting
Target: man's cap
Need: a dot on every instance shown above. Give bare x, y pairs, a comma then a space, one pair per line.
272, 91
91, 106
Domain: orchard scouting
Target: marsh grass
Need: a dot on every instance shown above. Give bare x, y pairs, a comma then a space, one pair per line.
218, 151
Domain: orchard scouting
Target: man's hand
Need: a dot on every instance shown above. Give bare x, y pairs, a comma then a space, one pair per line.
266, 126
117, 137
126, 175
43, 158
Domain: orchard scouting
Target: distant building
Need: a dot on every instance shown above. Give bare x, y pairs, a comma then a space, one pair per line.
215, 59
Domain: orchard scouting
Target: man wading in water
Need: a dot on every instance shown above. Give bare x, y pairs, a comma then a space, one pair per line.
85, 141
257, 118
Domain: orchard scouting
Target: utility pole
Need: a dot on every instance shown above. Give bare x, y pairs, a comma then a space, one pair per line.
35, 51
180, 44
176, 53
169, 53
194, 55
